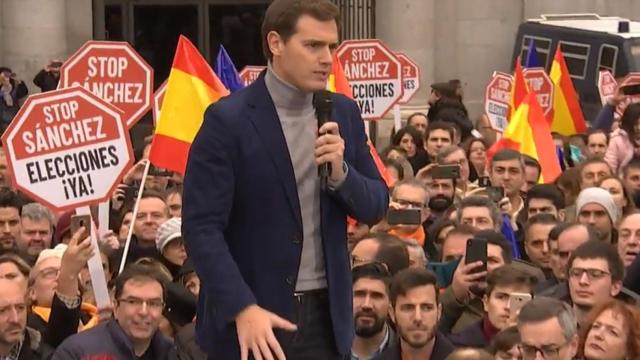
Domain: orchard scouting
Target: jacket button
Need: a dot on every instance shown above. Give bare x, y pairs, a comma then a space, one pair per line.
289, 280
297, 238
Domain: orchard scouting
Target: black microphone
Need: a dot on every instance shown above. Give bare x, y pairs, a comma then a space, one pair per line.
323, 103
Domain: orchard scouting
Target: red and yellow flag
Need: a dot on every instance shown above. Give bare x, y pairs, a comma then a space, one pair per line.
338, 83
567, 113
519, 90
528, 132
191, 88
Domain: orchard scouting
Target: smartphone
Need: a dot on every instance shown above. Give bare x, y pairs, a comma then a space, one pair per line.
130, 193
484, 181
631, 90
495, 193
403, 217
517, 301
446, 172
78, 221
154, 171
476, 251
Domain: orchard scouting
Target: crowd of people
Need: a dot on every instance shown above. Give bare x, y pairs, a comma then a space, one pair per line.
475, 258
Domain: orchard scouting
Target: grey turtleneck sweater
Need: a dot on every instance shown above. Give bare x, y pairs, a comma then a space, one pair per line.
300, 126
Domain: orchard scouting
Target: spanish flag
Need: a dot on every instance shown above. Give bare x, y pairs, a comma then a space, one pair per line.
191, 88
519, 89
338, 83
567, 113
528, 132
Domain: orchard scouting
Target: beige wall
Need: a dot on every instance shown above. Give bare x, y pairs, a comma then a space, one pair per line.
468, 39
32, 32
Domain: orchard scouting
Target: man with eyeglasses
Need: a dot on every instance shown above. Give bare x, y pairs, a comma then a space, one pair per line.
595, 277
133, 334
454, 155
548, 330
370, 311
410, 194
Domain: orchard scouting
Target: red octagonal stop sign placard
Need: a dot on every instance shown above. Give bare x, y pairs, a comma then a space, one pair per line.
375, 76
114, 72
250, 73
540, 83
67, 148
410, 77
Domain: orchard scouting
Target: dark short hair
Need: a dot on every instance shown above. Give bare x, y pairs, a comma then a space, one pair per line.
554, 234
138, 272
548, 192
374, 271
529, 161
480, 201
282, 17
176, 189
506, 155
415, 135
411, 278
541, 219
504, 340
595, 132
633, 164
392, 251
10, 199
592, 160
510, 275
629, 118
596, 249
496, 238
439, 125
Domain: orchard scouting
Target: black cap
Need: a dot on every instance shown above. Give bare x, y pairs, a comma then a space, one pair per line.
445, 89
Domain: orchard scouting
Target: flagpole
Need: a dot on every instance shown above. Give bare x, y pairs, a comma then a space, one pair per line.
127, 244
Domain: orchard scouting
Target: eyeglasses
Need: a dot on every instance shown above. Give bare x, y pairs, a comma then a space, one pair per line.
49, 273
548, 352
592, 274
154, 304
414, 204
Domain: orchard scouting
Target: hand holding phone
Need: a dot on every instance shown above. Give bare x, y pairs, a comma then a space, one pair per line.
403, 216
79, 221
476, 251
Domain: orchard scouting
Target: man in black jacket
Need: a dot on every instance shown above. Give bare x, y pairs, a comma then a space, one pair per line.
415, 312
17, 341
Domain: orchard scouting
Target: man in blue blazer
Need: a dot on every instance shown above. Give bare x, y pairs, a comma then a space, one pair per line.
268, 244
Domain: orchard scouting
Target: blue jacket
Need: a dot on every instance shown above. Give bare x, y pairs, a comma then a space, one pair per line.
241, 215
109, 341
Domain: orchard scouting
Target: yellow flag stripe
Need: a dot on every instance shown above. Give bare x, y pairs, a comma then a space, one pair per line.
183, 107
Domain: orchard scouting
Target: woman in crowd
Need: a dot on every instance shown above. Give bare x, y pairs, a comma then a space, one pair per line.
624, 143
620, 195
476, 150
611, 333
411, 141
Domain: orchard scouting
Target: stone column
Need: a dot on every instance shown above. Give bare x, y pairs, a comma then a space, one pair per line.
408, 26
33, 32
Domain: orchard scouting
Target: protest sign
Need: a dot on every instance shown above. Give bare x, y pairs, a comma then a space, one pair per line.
250, 73
410, 77
497, 100
67, 148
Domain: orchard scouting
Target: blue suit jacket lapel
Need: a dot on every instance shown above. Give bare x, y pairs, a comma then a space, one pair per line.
267, 125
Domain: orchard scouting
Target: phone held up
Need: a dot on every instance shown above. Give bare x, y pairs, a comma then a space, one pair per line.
78, 221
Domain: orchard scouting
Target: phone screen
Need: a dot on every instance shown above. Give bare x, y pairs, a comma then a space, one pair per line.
403, 217
477, 251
